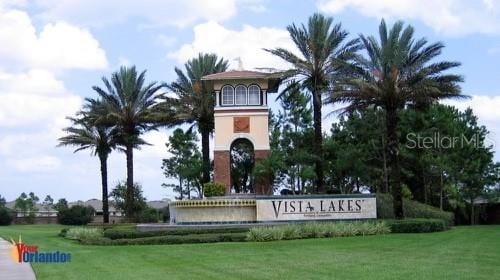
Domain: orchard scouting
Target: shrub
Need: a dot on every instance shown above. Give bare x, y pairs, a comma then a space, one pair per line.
316, 230
417, 225
148, 215
118, 233
412, 209
76, 215
63, 232
213, 189
83, 233
6, 216
170, 239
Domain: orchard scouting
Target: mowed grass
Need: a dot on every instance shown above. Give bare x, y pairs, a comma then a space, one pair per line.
460, 253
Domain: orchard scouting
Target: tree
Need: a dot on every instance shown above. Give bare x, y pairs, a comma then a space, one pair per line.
86, 134
122, 201
126, 103
323, 48
296, 134
473, 166
26, 204
61, 204
399, 71
185, 163
48, 203
194, 101
2, 201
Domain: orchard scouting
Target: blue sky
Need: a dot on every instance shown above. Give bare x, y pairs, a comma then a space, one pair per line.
53, 51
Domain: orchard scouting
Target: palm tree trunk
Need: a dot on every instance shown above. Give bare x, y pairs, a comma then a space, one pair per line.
318, 141
104, 182
129, 152
205, 150
393, 155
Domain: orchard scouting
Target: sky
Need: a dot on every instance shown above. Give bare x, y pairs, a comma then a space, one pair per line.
53, 51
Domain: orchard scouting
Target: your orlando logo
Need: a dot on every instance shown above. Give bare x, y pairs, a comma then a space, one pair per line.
24, 253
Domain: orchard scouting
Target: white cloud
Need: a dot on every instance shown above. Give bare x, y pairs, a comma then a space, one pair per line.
247, 44
38, 163
152, 12
57, 46
453, 17
34, 98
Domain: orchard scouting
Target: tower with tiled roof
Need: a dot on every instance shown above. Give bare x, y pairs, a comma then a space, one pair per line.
241, 114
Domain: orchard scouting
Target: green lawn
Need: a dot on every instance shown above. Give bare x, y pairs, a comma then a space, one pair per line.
461, 253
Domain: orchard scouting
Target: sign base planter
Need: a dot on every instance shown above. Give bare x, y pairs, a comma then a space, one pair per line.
270, 209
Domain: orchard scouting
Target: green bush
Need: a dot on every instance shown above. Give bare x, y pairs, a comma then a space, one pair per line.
171, 239
412, 209
214, 189
76, 215
83, 233
63, 232
148, 215
316, 230
417, 225
6, 216
117, 233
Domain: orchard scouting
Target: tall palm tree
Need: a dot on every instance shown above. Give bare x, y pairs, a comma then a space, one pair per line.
398, 72
194, 102
86, 135
127, 103
322, 47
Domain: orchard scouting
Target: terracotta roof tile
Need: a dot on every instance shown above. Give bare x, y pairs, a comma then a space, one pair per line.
236, 74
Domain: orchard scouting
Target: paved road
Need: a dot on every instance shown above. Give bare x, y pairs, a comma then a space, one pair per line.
10, 270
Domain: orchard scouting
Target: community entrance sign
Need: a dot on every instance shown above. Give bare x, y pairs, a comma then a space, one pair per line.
293, 208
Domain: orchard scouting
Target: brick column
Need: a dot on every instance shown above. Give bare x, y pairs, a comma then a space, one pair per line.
222, 169
262, 186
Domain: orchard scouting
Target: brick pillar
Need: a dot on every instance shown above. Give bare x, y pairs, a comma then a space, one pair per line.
262, 186
222, 169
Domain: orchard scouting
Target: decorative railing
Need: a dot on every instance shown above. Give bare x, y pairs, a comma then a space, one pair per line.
214, 203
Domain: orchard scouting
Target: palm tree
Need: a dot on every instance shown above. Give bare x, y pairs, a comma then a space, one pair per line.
127, 104
398, 72
86, 135
194, 102
322, 47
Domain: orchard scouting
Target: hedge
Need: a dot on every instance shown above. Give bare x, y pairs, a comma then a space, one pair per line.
170, 239
132, 233
412, 209
316, 230
417, 225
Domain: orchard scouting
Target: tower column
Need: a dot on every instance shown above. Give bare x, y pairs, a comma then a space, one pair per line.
222, 169
217, 98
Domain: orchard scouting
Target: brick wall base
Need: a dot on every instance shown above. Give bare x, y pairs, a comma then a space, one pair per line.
222, 169
262, 186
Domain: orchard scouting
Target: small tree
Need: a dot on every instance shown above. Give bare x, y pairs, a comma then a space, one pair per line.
61, 204
26, 204
2, 201
6, 216
138, 202
185, 164
48, 203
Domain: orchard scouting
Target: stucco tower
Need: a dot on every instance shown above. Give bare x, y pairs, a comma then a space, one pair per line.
241, 113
